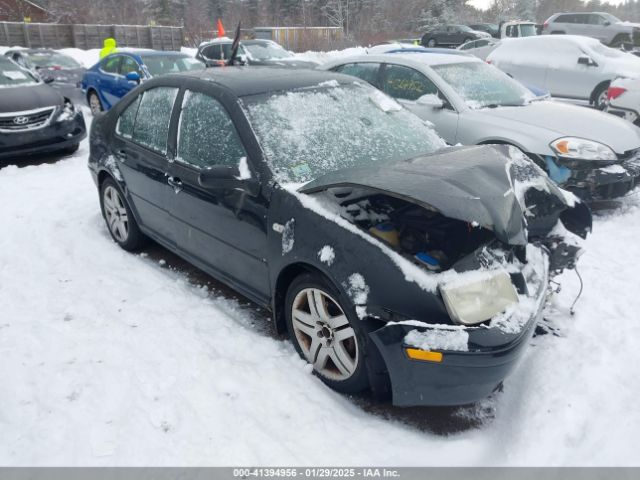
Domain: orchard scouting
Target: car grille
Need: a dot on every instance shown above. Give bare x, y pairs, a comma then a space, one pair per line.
21, 121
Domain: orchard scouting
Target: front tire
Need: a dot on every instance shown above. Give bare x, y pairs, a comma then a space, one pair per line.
432, 43
120, 221
326, 334
94, 103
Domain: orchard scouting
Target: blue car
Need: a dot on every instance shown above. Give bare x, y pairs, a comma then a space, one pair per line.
104, 84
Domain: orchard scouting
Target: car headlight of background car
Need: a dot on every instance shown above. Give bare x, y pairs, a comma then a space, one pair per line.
582, 149
68, 111
474, 302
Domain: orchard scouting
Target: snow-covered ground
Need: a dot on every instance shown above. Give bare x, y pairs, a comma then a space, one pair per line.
109, 358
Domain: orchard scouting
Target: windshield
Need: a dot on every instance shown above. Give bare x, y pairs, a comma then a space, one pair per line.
265, 51
481, 85
528, 30
463, 28
12, 76
52, 59
612, 18
163, 64
310, 132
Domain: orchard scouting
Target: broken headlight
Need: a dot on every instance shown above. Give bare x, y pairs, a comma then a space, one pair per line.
68, 111
479, 300
582, 149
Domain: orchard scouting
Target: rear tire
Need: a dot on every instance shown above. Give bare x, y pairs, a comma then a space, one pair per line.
120, 221
326, 333
599, 97
95, 104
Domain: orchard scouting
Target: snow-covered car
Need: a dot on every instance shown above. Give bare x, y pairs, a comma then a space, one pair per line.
590, 153
480, 48
250, 52
568, 66
394, 263
62, 71
34, 117
624, 99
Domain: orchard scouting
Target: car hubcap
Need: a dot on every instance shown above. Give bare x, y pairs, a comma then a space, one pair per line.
324, 335
94, 104
116, 214
432, 43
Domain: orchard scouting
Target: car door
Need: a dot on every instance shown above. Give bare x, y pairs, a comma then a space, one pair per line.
407, 85
568, 78
599, 25
222, 230
140, 148
107, 80
127, 65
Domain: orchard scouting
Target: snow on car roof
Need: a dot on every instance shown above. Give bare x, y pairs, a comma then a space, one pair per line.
426, 58
549, 39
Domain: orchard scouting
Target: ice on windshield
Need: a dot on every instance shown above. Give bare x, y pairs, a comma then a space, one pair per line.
311, 132
481, 85
53, 59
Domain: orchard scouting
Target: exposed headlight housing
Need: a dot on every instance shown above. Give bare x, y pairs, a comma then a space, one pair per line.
68, 111
582, 149
474, 302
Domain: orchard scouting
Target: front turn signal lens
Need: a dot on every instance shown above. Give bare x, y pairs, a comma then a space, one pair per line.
424, 355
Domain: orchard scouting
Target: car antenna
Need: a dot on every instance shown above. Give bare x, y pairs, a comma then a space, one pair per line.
234, 46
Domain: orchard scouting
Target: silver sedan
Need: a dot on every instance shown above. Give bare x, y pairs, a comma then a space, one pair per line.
595, 155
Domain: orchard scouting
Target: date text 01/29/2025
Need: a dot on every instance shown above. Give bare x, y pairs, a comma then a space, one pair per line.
317, 472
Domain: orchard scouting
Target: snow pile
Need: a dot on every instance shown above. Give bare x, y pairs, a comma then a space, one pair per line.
327, 255
439, 337
358, 291
243, 167
288, 236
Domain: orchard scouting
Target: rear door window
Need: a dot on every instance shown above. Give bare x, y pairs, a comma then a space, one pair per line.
406, 83
151, 128
127, 119
365, 71
207, 135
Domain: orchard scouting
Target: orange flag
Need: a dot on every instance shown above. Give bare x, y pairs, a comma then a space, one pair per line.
221, 32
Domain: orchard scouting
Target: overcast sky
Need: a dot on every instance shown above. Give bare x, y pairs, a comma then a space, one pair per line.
485, 3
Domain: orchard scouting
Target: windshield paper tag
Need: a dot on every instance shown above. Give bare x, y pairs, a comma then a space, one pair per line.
14, 75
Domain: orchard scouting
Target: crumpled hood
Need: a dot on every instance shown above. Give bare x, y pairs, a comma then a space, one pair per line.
31, 97
482, 184
564, 120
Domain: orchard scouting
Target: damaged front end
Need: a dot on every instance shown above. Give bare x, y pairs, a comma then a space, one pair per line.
486, 230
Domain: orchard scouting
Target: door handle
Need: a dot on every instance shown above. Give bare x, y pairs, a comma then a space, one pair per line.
176, 183
121, 155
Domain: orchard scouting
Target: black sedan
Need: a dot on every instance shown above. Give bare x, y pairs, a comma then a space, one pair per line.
393, 262
35, 118
451, 36
62, 71
266, 53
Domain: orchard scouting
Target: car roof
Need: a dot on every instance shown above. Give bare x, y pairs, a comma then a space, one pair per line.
577, 39
244, 81
430, 60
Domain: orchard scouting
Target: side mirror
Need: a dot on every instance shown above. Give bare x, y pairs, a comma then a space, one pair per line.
222, 177
431, 100
133, 77
607, 23
586, 60
48, 80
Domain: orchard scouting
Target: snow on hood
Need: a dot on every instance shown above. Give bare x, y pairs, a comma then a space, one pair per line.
482, 184
564, 120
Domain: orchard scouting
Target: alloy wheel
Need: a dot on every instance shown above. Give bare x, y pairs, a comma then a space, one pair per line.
116, 214
324, 334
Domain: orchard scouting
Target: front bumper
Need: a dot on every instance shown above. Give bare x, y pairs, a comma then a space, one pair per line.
461, 377
591, 181
53, 137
